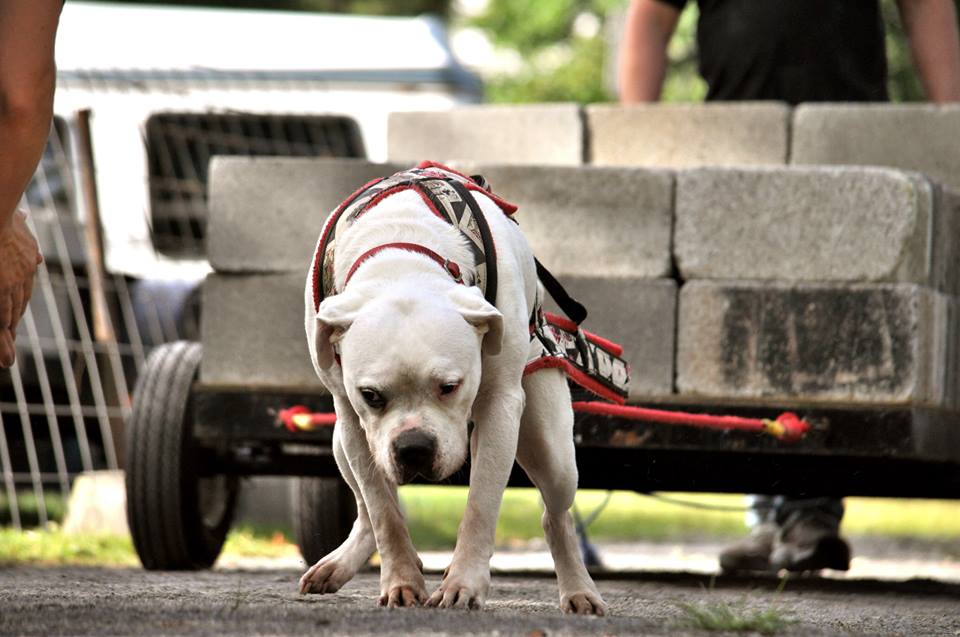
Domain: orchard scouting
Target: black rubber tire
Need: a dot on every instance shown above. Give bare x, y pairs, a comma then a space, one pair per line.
165, 491
323, 514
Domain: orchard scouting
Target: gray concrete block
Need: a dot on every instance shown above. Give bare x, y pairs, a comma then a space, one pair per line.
869, 344
267, 212
680, 135
252, 332
814, 224
638, 314
590, 221
921, 137
519, 134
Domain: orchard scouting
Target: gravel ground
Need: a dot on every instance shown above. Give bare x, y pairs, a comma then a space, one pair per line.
98, 601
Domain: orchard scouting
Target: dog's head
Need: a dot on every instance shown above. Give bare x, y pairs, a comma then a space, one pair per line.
411, 368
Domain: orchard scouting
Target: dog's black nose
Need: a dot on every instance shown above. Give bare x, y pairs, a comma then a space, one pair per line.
413, 451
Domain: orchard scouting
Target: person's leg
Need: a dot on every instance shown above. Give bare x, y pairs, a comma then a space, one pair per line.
752, 553
809, 535
797, 534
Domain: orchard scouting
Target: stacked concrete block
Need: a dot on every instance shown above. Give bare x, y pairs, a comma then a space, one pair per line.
920, 137
265, 217
683, 135
252, 331
613, 222
856, 344
267, 212
853, 224
550, 134
817, 285
605, 232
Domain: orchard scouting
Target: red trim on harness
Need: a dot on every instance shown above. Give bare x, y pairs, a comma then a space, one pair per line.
429, 163
451, 267
568, 325
585, 381
331, 222
400, 188
507, 207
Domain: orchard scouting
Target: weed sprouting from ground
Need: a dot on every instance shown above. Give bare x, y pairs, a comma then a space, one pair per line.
723, 616
735, 617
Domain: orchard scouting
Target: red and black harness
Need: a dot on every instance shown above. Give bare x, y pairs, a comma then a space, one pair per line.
593, 363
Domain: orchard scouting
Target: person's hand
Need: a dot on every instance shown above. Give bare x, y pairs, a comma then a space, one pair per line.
19, 258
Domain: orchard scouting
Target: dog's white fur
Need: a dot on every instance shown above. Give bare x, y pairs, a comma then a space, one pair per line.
405, 328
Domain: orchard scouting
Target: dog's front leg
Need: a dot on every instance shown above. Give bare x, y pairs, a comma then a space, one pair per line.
401, 581
497, 419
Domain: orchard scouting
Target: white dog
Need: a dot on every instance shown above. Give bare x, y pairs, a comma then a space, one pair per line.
412, 355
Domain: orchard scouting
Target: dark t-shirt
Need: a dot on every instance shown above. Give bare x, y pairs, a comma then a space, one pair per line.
792, 50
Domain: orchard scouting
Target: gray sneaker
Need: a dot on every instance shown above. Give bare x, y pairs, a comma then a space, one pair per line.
752, 553
810, 542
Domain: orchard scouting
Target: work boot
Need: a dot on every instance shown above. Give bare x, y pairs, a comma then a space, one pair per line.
810, 541
752, 553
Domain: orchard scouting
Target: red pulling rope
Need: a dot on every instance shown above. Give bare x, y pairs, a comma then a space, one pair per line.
786, 427
299, 418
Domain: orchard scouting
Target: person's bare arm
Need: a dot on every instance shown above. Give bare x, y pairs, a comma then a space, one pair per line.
931, 26
27, 76
643, 52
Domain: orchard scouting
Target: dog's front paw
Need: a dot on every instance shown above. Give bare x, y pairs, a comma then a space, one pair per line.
402, 590
583, 603
461, 589
326, 576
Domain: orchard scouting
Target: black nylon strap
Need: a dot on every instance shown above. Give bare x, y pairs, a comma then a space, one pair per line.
570, 306
488, 247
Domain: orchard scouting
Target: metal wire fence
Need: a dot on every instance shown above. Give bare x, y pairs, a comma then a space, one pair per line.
87, 331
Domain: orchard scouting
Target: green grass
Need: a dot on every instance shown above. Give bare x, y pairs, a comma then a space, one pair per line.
433, 514
726, 617
53, 547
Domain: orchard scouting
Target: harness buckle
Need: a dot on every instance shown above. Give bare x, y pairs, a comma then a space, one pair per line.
453, 269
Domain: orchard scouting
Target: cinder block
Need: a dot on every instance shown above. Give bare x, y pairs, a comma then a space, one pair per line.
889, 344
681, 135
523, 134
640, 315
590, 221
921, 137
267, 212
815, 224
253, 329
252, 332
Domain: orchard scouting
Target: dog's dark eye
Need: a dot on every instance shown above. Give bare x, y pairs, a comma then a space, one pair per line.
448, 388
373, 398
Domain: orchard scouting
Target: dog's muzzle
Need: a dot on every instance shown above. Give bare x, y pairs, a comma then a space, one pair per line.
414, 452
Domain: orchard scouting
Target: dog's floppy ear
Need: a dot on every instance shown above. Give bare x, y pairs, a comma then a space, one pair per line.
334, 317
479, 313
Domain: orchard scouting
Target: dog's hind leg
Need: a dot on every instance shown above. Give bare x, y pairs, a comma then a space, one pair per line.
545, 451
339, 566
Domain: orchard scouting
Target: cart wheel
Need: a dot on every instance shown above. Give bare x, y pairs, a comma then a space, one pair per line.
177, 518
322, 516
